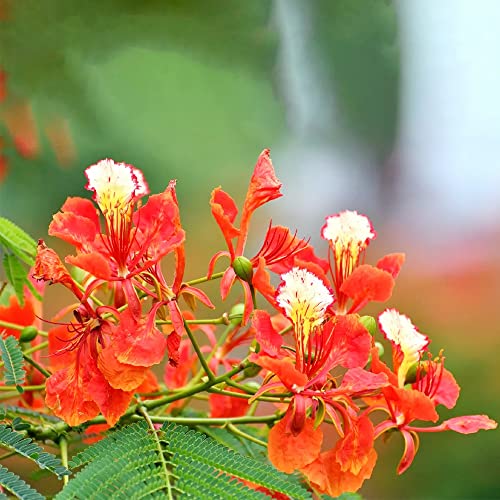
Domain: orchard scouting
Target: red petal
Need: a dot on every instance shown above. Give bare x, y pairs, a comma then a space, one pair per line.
224, 211
447, 392
262, 282
176, 377
469, 424
150, 383
327, 476
138, 342
410, 451
14, 313
48, 267
223, 406
77, 223
67, 396
227, 282
269, 339
113, 403
94, 263
176, 316
414, 405
378, 366
392, 263
59, 341
288, 452
351, 341
264, 187
199, 294
283, 368
158, 223
353, 451
120, 375
357, 380
367, 283
173, 344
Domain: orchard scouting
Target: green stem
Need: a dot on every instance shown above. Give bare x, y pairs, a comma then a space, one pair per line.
213, 352
244, 435
213, 421
40, 368
254, 298
196, 347
63, 446
37, 347
149, 420
25, 388
205, 278
208, 321
15, 326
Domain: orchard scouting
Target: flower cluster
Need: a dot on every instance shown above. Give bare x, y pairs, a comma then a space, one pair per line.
297, 341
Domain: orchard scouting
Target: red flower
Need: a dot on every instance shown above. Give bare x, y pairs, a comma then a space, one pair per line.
322, 343
431, 385
279, 245
100, 359
133, 240
349, 234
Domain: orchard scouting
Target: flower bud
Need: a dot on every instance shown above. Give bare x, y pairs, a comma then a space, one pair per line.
416, 370
380, 349
236, 314
28, 333
369, 323
243, 268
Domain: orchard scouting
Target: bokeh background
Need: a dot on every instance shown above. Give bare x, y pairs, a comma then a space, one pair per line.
390, 108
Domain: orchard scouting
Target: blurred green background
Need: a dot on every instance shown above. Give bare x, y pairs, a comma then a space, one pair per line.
194, 90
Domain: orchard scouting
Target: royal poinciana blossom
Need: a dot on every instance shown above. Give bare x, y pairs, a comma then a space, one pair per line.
312, 361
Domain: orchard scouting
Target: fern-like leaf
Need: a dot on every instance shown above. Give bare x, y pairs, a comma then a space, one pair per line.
188, 444
15, 485
12, 357
127, 464
26, 447
17, 241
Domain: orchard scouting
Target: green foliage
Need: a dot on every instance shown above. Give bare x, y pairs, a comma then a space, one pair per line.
188, 445
19, 248
12, 358
15, 485
127, 464
15, 441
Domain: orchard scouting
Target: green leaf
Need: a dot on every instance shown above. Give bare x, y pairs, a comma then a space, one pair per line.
14, 239
27, 448
16, 274
128, 464
15, 485
12, 357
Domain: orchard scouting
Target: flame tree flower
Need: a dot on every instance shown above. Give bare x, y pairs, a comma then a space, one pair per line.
349, 234
322, 343
135, 237
101, 358
418, 384
279, 248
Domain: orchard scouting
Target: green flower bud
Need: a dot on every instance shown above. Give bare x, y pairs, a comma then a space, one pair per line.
369, 323
236, 314
417, 368
243, 268
28, 333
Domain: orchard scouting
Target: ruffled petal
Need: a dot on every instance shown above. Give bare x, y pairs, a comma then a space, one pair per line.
269, 339
77, 223
469, 424
225, 211
138, 342
264, 187
392, 263
367, 284
284, 369
289, 452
